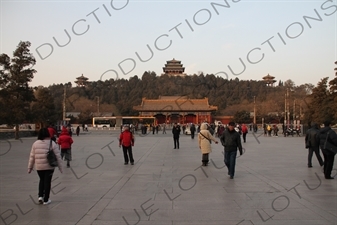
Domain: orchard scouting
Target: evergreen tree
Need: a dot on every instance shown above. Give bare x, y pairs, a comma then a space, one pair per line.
15, 93
320, 106
333, 91
43, 110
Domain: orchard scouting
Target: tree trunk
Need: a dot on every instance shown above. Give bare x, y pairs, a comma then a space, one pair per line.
17, 131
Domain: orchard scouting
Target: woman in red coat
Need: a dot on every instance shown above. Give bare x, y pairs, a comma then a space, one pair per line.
65, 141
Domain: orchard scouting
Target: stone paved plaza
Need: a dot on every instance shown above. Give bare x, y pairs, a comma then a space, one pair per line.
166, 186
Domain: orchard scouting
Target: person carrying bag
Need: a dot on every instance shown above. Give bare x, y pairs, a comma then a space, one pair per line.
204, 139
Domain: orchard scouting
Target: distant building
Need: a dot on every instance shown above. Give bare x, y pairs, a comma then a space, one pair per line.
269, 80
176, 109
82, 81
174, 68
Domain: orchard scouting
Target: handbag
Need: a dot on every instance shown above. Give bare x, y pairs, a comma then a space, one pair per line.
51, 157
329, 146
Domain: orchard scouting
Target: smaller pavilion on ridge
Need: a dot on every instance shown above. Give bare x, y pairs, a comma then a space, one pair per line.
269, 80
81, 81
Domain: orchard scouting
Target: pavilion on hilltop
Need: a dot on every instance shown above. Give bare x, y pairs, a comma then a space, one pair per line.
269, 80
176, 109
81, 81
174, 68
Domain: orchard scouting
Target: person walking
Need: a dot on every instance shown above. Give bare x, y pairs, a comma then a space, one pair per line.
65, 141
164, 128
326, 134
312, 145
38, 159
276, 130
78, 130
176, 134
244, 130
231, 141
127, 141
192, 129
52, 132
204, 139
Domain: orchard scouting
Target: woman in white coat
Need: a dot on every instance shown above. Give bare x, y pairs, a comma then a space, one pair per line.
38, 157
205, 138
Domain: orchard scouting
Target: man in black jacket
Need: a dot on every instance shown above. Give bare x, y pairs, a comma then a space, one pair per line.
326, 134
231, 141
192, 129
313, 145
176, 134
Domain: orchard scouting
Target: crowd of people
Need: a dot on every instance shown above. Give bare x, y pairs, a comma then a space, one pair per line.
316, 139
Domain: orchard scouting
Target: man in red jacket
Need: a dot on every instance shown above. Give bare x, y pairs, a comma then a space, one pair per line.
65, 141
127, 140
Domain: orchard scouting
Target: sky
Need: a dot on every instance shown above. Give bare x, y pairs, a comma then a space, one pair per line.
244, 39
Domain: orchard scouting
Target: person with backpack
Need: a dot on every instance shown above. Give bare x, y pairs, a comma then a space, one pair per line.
127, 141
231, 141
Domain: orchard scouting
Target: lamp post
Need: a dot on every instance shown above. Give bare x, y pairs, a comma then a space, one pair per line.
294, 112
254, 121
285, 109
64, 103
288, 110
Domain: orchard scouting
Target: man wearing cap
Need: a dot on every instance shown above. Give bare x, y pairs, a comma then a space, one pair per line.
127, 140
231, 141
327, 138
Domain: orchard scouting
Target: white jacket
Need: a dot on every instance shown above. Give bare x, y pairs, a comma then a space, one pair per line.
204, 143
38, 155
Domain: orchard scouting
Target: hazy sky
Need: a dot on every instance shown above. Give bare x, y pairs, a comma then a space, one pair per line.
121, 38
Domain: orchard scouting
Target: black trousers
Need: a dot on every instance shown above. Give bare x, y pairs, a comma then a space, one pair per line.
127, 152
204, 159
329, 158
318, 156
176, 142
244, 136
45, 183
192, 135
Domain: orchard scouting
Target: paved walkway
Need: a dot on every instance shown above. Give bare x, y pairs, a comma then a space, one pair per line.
166, 186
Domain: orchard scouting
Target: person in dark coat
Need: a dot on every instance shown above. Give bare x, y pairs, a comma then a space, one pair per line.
176, 134
312, 144
78, 130
192, 129
327, 134
231, 141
